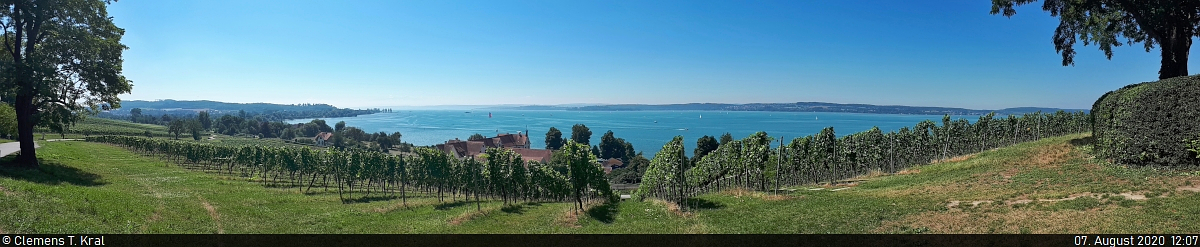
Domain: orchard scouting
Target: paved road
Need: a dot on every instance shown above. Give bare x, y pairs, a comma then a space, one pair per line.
13, 147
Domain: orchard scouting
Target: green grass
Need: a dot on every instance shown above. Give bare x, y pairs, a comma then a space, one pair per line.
95, 188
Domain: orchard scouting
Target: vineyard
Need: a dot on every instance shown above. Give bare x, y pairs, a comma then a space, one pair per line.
750, 163
1046, 186
501, 174
101, 126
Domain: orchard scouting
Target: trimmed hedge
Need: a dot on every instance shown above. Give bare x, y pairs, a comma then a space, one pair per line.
1149, 123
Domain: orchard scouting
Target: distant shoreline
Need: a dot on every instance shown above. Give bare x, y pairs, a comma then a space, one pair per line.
793, 107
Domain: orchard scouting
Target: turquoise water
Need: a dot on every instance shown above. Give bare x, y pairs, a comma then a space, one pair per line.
648, 131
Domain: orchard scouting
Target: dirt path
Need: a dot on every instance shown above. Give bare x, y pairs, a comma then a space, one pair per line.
212, 212
1127, 195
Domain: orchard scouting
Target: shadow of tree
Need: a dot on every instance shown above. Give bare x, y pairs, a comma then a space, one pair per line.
445, 206
513, 209
1083, 141
606, 213
51, 173
701, 203
367, 199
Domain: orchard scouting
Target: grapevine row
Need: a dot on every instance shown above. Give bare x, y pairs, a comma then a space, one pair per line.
501, 173
752, 164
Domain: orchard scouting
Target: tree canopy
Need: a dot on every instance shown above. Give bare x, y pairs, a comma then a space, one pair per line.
612, 147
581, 134
554, 139
476, 137
1168, 24
62, 57
704, 145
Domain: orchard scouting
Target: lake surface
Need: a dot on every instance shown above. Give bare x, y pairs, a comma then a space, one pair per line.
648, 131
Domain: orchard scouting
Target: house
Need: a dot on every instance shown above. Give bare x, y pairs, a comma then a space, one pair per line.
322, 138
519, 143
512, 141
609, 164
539, 155
462, 149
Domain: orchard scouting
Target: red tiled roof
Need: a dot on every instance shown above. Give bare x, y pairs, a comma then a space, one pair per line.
613, 162
539, 155
324, 136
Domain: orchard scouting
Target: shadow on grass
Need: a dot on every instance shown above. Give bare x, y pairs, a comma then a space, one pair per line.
367, 199
446, 206
50, 173
1083, 141
606, 213
701, 203
513, 209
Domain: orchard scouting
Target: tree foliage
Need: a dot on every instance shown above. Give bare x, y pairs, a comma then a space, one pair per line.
752, 163
476, 137
554, 139
8, 121
704, 145
1168, 24
502, 173
61, 58
581, 134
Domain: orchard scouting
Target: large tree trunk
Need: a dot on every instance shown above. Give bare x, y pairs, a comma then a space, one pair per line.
24, 109
1175, 44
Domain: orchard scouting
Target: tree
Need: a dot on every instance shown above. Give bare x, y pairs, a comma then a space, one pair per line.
205, 122
288, 134
384, 141
476, 137
321, 126
726, 138
611, 147
8, 121
338, 140
395, 137
339, 126
194, 126
581, 134
264, 129
135, 114
176, 128
704, 145
1168, 24
554, 139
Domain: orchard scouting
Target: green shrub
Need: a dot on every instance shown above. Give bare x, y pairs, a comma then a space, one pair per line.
1149, 123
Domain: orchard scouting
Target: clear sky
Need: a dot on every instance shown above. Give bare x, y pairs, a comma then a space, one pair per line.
413, 53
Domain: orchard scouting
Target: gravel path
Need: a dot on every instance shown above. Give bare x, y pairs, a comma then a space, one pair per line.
13, 147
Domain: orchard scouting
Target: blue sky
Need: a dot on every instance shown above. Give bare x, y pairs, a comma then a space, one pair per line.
414, 53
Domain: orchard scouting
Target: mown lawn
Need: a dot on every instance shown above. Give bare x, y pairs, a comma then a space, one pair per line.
1049, 186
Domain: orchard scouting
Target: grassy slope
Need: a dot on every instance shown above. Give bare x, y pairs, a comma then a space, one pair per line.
87, 187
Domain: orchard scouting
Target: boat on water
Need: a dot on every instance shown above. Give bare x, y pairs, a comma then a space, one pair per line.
701, 115
467, 112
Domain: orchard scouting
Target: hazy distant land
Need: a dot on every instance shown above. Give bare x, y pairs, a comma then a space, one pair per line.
791, 107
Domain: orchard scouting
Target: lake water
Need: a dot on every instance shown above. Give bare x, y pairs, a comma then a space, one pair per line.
648, 131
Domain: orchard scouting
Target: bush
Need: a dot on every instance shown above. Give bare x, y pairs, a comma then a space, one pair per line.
1150, 123
308, 141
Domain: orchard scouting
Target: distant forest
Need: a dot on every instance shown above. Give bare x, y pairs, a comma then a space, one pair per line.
262, 111
261, 120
